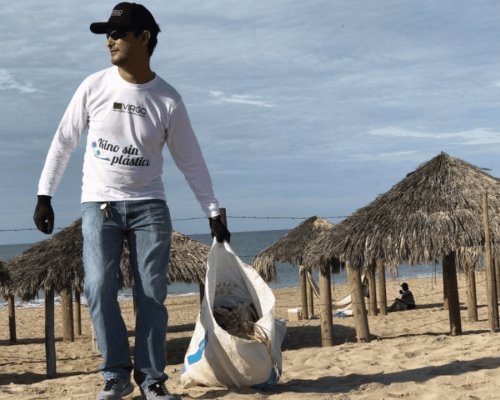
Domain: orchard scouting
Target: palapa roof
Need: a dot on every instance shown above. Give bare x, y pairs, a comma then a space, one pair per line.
57, 263
4, 279
293, 248
434, 210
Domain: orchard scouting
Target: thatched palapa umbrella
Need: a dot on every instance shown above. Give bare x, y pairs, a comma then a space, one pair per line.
430, 215
56, 265
4, 279
52, 264
294, 248
5, 283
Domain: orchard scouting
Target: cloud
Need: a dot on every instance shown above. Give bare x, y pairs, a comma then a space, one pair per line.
339, 97
393, 156
9, 82
222, 98
478, 136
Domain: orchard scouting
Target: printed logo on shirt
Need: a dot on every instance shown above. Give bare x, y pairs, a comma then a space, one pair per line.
130, 109
114, 154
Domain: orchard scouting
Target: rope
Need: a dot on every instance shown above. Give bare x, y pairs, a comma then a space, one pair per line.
196, 218
310, 279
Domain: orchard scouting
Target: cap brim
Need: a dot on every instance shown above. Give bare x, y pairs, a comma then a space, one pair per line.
99, 27
104, 27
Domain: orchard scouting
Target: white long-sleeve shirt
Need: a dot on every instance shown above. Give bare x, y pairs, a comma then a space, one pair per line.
127, 125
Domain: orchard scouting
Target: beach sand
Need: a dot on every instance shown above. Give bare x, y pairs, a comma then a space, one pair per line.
411, 356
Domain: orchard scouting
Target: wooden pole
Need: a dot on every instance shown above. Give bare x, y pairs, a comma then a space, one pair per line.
358, 304
310, 295
490, 277
303, 292
494, 288
497, 275
325, 293
50, 339
78, 313
470, 279
382, 291
450, 275
67, 315
12, 319
372, 290
202, 291
445, 292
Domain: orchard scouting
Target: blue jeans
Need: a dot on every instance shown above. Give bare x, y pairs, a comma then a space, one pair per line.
148, 228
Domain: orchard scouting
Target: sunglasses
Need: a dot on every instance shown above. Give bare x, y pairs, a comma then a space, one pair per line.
116, 34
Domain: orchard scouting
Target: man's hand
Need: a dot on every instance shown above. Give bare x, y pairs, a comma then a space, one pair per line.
44, 215
218, 229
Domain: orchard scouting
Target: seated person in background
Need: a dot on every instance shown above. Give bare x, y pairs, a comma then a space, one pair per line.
405, 302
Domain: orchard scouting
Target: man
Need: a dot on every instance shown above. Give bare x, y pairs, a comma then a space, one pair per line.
406, 302
129, 113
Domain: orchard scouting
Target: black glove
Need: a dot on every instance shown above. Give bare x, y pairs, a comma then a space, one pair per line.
44, 215
218, 229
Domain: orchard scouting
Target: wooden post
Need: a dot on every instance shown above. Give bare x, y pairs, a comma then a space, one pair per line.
202, 291
303, 292
450, 275
50, 339
372, 290
78, 313
494, 287
67, 315
382, 291
470, 279
497, 275
358, 304
310, 295
445, 293
12, 318
325, 293
490, 277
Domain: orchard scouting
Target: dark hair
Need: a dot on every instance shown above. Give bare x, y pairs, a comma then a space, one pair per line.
153, 39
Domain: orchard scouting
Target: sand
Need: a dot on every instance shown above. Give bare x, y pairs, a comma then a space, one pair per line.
412, 355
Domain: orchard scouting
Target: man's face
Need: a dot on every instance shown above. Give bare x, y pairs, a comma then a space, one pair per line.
125, 47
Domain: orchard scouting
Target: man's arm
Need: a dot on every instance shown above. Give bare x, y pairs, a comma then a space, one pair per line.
66, 138
188, 157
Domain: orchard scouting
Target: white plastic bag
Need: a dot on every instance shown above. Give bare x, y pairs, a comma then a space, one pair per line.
217, 358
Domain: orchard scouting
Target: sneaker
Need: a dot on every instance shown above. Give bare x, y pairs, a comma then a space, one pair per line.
157, 391
114, 389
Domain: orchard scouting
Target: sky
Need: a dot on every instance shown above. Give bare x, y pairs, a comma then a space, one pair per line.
301, 108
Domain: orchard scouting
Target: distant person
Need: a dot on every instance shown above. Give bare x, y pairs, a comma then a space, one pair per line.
129, 114
405, 302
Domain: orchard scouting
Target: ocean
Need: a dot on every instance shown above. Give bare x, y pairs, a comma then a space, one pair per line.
246, 245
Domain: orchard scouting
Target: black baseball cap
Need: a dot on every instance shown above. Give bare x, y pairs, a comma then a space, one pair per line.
404, 285
127, 16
